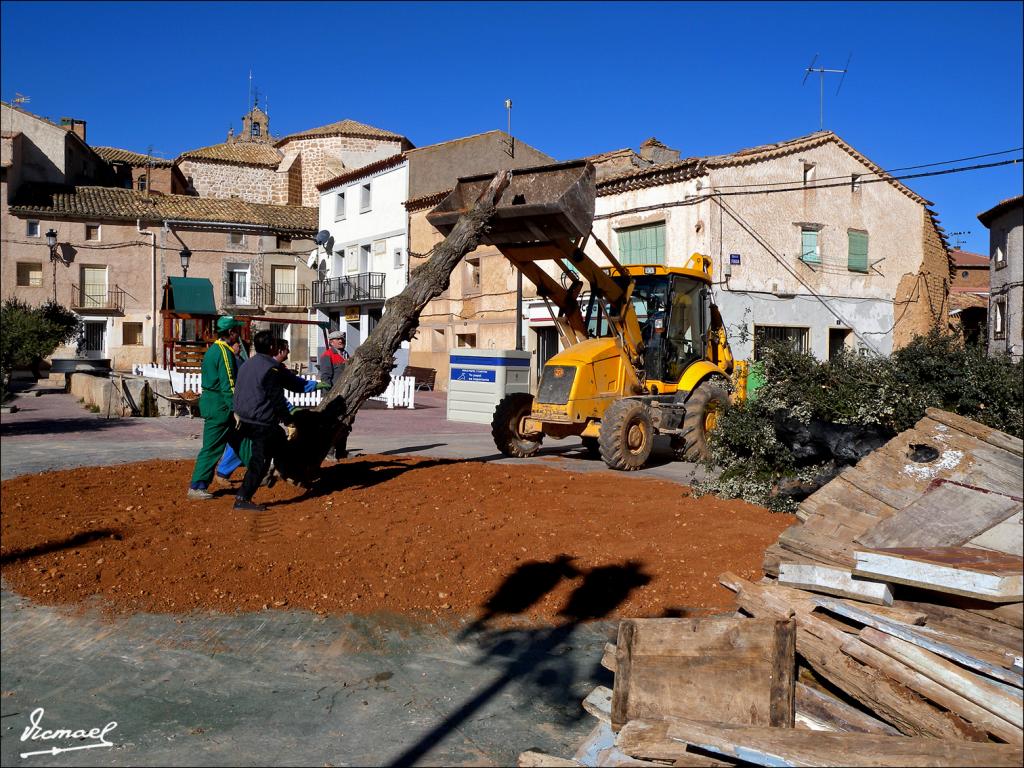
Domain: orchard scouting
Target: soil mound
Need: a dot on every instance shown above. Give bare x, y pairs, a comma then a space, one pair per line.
381, 533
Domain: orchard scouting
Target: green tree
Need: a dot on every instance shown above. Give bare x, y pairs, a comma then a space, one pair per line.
28, 334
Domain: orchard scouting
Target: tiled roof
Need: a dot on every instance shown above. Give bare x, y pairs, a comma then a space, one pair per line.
1002, 207
655, 175
343, 128
237, 153
363, 170
960, 301
115, 155
427, 201
130, 204
968, 259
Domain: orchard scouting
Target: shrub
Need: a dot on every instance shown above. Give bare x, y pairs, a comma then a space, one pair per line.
779, 436
28, 334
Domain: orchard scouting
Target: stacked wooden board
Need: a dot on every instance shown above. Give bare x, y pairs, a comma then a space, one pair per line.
887, 630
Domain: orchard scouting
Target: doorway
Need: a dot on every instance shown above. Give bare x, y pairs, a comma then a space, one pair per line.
95, 343
547, 347
837, 341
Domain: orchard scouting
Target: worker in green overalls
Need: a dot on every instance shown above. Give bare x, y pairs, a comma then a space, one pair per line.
216, 405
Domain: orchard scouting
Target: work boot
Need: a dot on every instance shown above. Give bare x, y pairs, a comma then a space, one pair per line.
248, 505
199, 494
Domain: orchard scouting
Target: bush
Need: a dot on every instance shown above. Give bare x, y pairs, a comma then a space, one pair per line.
28, 334
787, 435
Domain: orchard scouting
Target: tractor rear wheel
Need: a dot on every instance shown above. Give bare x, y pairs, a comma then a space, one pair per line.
627, 435
705, 404
505, 427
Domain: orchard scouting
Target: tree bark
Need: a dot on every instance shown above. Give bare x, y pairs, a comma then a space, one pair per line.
368, 372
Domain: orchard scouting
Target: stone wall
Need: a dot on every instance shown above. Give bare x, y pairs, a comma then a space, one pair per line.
324, 157
922, 297
226, 180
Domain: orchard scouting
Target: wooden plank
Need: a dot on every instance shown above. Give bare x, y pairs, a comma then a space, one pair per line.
836, 714
834, 581
967, 624
991, 576
977, 716
733, 669
1006, 537
889, 700
915, 636
649, 739
839, 496
534, 758
1011, 614
949, 515
975, 429
599, 739
971, 686
830, 551
784, 747
608, 657
599, 703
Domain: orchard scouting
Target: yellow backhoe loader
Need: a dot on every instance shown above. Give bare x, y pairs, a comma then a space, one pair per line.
645, 354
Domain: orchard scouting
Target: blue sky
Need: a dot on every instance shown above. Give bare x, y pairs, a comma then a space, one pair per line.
928, 82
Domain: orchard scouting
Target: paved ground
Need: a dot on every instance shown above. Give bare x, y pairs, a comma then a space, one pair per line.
283, 687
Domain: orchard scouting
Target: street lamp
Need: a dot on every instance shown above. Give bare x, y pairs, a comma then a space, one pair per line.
186, 255
51, 241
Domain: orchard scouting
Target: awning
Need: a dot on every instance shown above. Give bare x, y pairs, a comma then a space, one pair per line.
189, 296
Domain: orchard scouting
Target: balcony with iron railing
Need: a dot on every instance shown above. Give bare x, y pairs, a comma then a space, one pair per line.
290, 296
351, 289
97, 299
245, 296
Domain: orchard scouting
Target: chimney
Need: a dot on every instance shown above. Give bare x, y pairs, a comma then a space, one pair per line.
72, 124
657, 153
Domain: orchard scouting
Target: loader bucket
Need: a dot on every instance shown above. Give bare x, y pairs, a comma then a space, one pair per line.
549, 202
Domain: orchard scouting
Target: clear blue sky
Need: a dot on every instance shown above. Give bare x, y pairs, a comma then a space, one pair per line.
928, 82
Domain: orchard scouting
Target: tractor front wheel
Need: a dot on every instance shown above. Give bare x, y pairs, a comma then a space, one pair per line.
705, 404
505, 427
627, 435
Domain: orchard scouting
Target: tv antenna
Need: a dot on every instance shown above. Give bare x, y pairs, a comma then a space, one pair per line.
822, 71
20, 98
511, 142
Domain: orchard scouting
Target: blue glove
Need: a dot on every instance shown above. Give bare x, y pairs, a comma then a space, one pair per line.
310, 386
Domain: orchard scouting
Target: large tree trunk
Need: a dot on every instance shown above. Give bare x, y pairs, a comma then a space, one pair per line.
369, 371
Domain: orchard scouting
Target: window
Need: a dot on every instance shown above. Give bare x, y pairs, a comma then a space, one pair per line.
94, 286
236, 287
92, 231
472, 281
352, 258
236, 238
399, 258
255, 130
142, 183
857, 258
808, 174
1000, 255
364, 198
855, 183
284, 243
131, 334
339, 206
32, 228
282, 285
642, 245
364, 258
465, 339
999, 318
30, 274
797, 338
810, 251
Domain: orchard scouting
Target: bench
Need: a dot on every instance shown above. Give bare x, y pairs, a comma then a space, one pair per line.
424, 376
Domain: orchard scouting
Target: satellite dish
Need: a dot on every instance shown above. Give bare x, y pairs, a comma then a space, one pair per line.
322, 237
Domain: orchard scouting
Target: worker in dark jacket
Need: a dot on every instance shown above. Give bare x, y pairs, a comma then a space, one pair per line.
220, 373
260, 405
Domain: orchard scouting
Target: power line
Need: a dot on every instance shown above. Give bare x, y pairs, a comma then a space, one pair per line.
876, 173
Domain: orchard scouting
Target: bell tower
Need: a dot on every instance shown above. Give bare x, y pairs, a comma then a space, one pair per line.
255, 126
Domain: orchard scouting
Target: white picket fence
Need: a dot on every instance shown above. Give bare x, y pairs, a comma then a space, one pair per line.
401, 391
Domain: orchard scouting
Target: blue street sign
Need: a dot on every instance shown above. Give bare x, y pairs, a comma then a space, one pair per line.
472, 374
734, 258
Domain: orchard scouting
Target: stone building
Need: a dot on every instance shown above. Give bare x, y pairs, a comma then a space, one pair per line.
117, 247
968, 294
375, 217
811, 242
256, 166
1005, 223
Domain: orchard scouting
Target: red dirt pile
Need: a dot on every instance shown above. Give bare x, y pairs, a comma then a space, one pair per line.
410, 535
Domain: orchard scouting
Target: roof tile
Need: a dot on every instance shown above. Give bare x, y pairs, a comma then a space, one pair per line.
237, 153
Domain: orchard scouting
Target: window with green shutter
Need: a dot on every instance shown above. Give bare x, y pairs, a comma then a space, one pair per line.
809, 251
642, 245
857, 261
